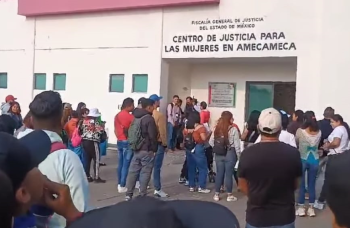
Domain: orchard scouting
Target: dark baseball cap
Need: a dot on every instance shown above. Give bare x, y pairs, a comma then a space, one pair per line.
151, 212
155, 97
142, 99
20, 156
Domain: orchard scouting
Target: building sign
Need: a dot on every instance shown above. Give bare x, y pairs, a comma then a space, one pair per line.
222, 94
229, 35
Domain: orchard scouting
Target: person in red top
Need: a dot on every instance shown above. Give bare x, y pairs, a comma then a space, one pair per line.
204, 114
122, 122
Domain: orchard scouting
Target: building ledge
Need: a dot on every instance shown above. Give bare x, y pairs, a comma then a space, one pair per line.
31, 8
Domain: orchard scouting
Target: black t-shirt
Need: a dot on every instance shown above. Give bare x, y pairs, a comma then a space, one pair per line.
271, 170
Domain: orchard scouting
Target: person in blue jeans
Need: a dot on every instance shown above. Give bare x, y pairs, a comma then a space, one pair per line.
160, 120
173, 120
195, 138
122, 122
226, 145
308, 138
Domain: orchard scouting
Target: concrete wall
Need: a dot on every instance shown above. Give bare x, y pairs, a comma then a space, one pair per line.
87, 48
198, 75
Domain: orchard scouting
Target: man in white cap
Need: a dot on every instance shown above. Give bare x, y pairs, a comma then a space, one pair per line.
272, 169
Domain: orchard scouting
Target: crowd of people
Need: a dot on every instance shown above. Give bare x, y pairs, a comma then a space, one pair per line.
45, 164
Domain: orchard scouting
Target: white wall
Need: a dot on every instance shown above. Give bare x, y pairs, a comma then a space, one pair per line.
16, 53
295, 18
236, 71
87, 48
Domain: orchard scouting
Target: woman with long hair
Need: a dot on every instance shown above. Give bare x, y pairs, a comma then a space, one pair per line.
15, 113
250, 132
308, 138
226, 145
67, 113
195, 136
337, 143
297, 121
81, 106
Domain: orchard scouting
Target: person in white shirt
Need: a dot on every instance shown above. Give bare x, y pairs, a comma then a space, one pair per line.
62, 165
337, 143
285, 136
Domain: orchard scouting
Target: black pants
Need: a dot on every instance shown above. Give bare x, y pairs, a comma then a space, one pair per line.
235, 176
91, 152
184, 171
324, 190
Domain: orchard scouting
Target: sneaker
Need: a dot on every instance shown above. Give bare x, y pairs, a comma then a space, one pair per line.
311, 212
122, 189
99, 181
231, 198
191, 189
306, 196
138, 185
128, 198
203, 190
160, 193
187, 183
216, 197
300, 211
222, 189
319, 205
182, 180
90, 179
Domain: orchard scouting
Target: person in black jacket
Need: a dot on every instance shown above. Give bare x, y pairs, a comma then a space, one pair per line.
325, 125
142, 163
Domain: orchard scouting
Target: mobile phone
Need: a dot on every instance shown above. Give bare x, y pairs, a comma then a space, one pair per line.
42, 211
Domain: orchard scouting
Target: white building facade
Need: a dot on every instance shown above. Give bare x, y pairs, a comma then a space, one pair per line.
237, 56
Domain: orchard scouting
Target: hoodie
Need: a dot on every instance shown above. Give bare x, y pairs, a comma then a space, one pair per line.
148, 130
5, 107
64, 166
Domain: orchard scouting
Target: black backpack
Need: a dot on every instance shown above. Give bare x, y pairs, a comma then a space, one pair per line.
220, 145
189, 142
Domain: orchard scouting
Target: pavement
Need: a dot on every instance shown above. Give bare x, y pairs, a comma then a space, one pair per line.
106, 194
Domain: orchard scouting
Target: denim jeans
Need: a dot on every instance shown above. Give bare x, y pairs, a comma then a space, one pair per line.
292, 225
158, 162
201, 164
103, 149
141, 167
224, 170
124, 159
311, 171
78, 151
191, 169
172, 135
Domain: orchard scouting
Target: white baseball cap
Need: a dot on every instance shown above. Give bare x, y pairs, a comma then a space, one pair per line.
94, 112
270, 121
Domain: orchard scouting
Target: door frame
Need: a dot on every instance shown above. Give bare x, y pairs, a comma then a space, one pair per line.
247, 93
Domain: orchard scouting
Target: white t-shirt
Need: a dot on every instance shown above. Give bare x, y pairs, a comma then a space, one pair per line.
285, 137
341, 133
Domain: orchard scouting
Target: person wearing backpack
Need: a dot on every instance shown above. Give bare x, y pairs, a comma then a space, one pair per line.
226, 145
143, 141
195, 136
